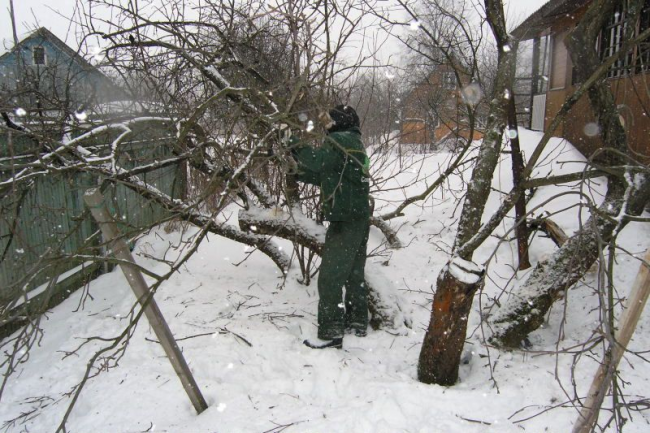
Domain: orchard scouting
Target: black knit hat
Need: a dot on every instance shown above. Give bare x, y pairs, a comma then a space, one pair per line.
344, 118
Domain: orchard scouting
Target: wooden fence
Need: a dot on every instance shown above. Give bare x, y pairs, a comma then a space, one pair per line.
49, 215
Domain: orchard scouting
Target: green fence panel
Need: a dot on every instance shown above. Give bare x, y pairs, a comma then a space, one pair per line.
50, 214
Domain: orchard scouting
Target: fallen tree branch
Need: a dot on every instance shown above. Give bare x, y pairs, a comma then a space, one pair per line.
389, 233
387, 309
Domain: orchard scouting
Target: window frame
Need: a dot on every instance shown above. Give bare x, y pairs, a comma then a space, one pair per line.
40, 49
612, 37
449, 80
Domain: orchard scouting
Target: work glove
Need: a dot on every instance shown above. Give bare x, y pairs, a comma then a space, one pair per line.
284, 138
285, 135
325, 119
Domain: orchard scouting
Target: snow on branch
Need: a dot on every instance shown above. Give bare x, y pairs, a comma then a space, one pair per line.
294, 226
465, 271
388, 309
188, 212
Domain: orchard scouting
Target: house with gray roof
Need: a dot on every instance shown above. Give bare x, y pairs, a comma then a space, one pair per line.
42, 73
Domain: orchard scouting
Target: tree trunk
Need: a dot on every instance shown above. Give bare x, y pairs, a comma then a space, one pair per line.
549, 281
521, 229
443, 342
521, 315
445, 337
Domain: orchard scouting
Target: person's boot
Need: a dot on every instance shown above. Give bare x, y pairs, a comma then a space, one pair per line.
358, 332
317, 343
356, 329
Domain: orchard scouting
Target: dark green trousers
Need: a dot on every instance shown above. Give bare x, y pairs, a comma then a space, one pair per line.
342, 264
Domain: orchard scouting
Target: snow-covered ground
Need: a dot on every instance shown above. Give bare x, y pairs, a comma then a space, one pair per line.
241, 329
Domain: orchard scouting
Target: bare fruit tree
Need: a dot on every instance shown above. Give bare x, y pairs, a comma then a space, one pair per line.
206, 97
627, 191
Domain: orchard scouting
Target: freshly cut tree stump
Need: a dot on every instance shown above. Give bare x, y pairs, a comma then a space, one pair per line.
444, 340
551, 229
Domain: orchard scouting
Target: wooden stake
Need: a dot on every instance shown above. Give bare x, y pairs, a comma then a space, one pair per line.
95, 201
603, 378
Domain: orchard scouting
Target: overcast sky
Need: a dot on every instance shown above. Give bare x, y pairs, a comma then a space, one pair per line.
56, 15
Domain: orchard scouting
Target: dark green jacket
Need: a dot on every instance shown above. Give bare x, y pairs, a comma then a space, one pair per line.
340, 168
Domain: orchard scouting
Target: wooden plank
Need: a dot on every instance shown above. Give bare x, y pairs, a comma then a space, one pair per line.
603, 378
95, 201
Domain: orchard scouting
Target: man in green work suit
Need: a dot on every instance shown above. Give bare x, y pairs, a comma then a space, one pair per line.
340, 168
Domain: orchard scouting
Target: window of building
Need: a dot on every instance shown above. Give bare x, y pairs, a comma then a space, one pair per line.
643, 49
612, 38
449, 80
434, 121
542, 51
38, 54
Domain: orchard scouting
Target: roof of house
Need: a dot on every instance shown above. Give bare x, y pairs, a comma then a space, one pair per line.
58, 43
545, 16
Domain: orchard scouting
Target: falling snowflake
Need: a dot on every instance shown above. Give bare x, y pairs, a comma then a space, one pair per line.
98, 54
81, 115
512, 133
415, 25
310, 126
472, 94
302, 117
221, 407
591, 129
21, 112
506, 48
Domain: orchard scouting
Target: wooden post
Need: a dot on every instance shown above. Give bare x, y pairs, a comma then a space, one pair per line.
603, 378
95, 201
